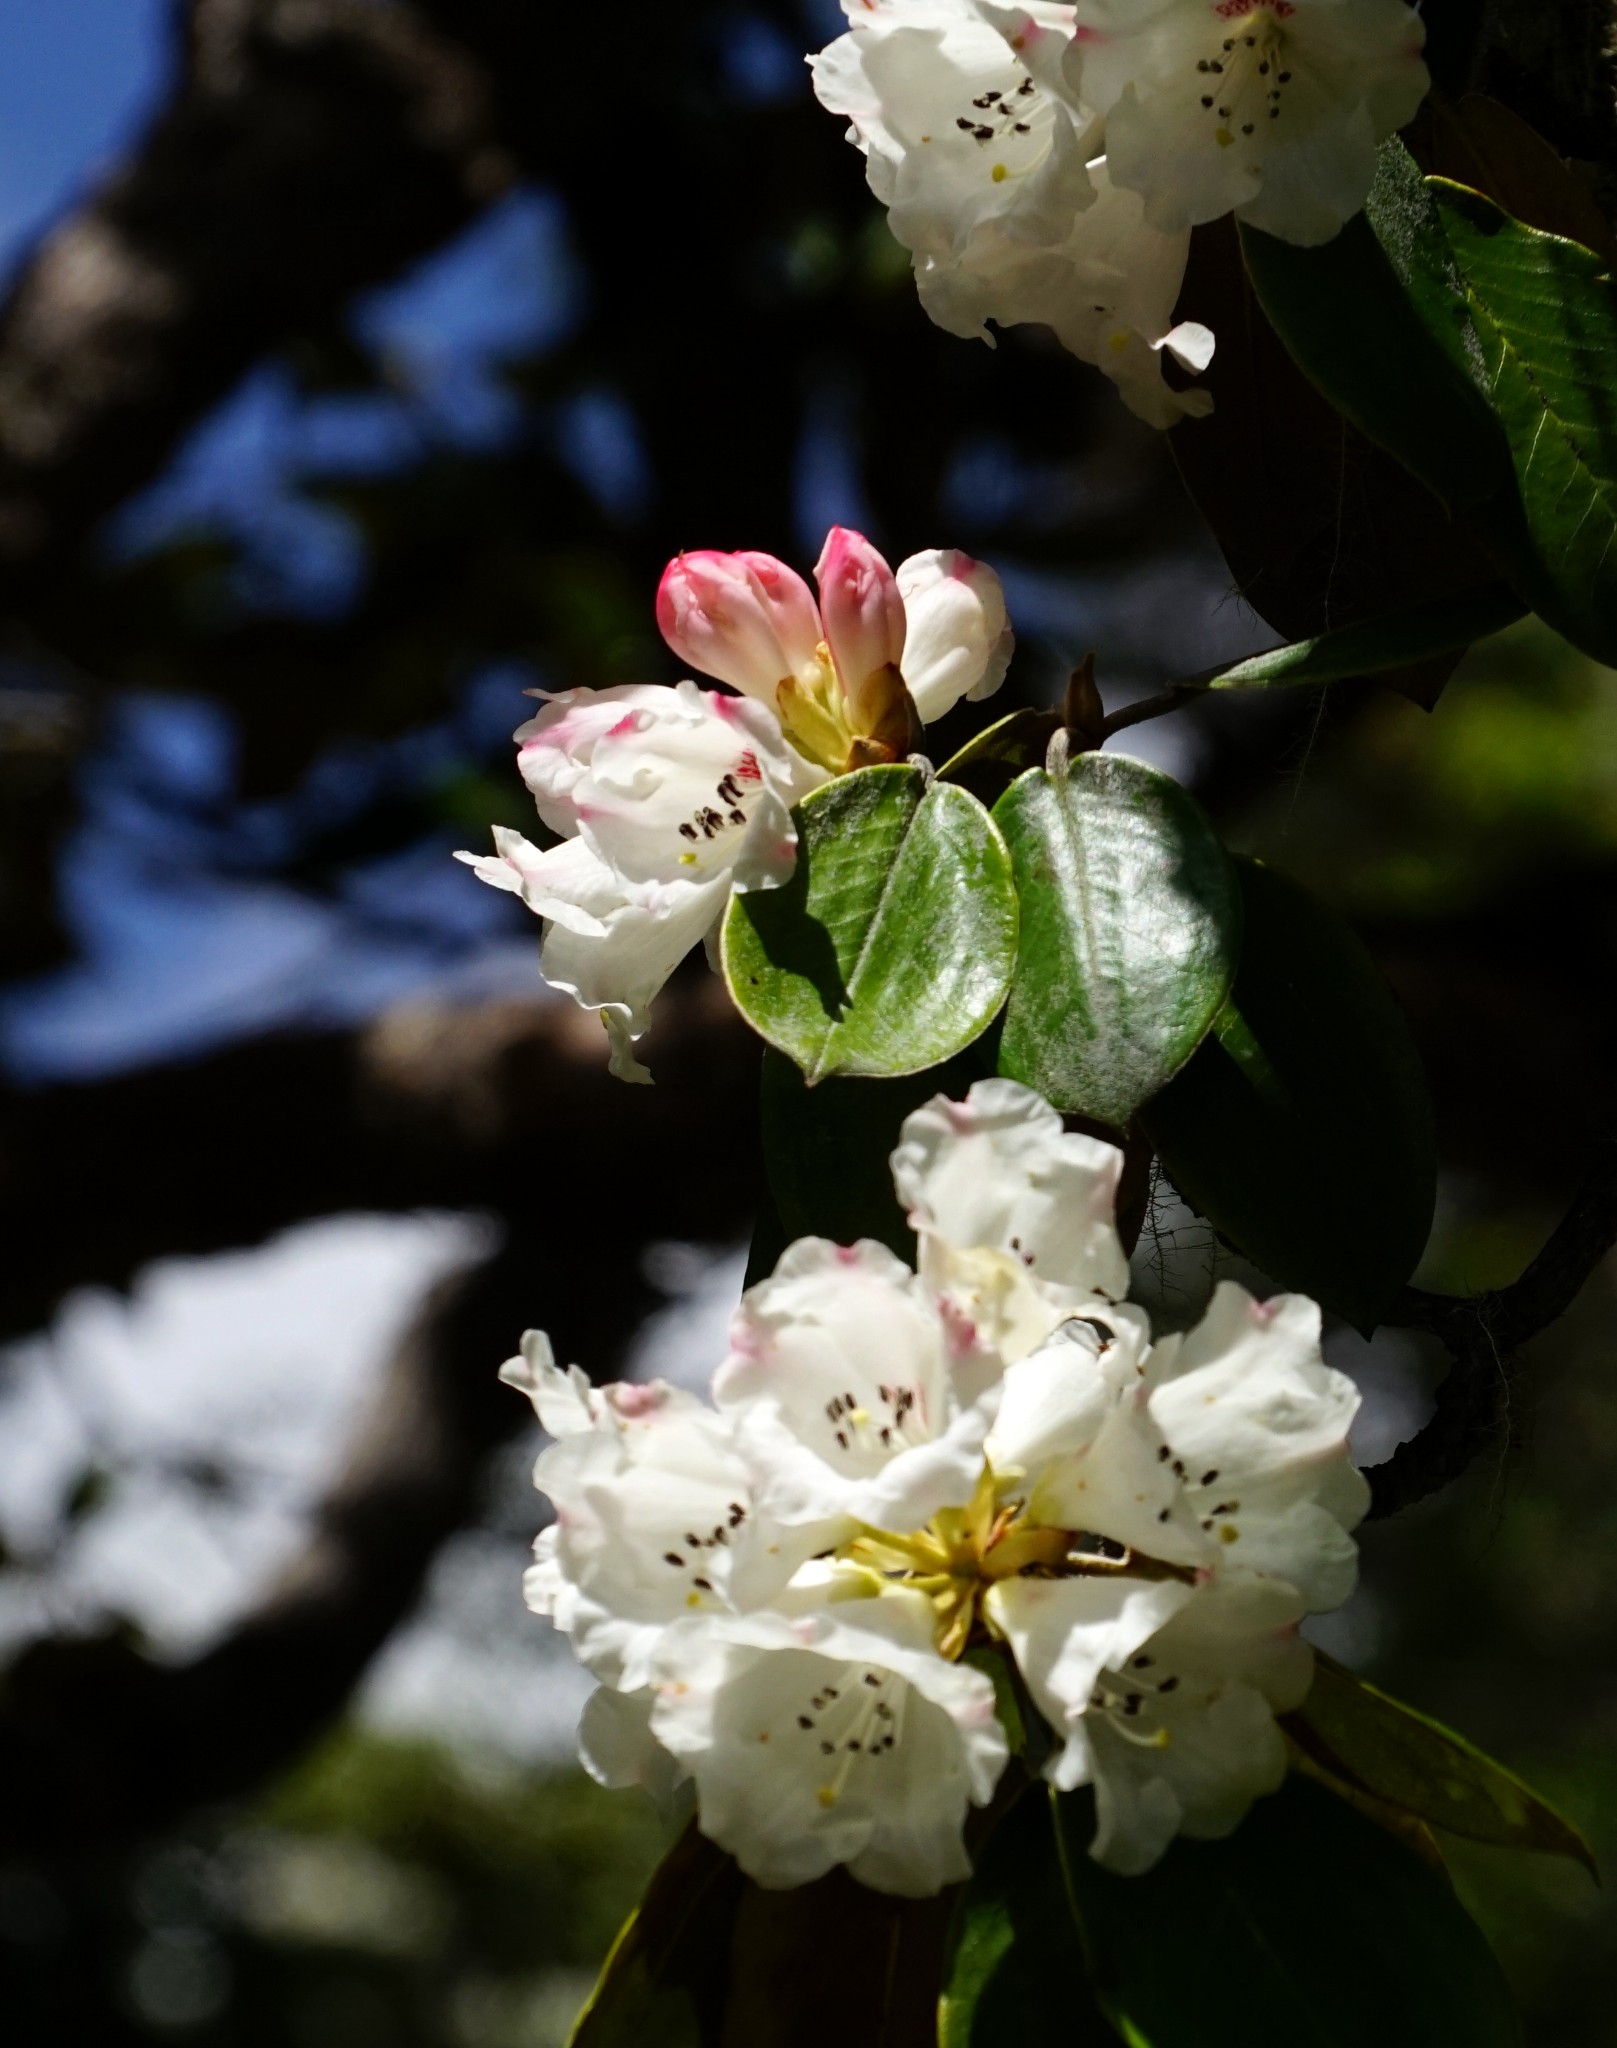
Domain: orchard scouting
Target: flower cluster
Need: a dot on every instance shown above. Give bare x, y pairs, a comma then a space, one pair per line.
665, 800
1046, 163
778, 1593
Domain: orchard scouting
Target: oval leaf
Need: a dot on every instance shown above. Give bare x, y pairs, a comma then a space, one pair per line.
703, 1963
1379, 321
1320, 525
1309, 1081
1308, 1924
1545, 314
1376, 1744
665, 1977
1445, 625
1015, 1974
891, 947
1131, 923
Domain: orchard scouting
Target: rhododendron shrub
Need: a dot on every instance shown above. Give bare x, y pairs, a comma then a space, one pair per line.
965, 1621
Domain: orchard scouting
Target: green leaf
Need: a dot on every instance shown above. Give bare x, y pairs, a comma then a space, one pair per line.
1302, 1129
664, 1980
891, 947
1375, 645
1379, 321
1545, 315
1131, 924
1321, 526
712, 1961
1378, 1745
1479, 352
827, 1150
992, 759
1015, 1975
1309, 1927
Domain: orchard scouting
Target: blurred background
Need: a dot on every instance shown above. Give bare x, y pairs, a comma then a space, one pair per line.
360, 366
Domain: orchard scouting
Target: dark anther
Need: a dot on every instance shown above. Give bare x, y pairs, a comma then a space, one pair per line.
803, 1721
672, 1557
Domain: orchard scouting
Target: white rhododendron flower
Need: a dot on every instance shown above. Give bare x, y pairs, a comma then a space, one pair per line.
992, 171
836, 671
853, 1397
987, 1452
1271, 107
1015, 1216
655, 1516
666, 800
828, 1730
1211, 1482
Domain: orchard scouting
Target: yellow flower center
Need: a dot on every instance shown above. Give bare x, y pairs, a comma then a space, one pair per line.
963, 1552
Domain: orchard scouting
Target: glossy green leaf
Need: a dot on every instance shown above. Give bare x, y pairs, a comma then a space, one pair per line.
1302, 1129
1378, 320
1378, 1745
1373, 646
1131, 923
1309, 1927
1015, 1976
1545, 316
891, 947
827, 1150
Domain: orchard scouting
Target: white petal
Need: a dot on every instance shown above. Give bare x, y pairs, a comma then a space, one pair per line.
569, 884
841, 1380
1202, 1785
998, 1171
1124, 1486
826, 1734
554, 749
1064, 1633
1250, 1393
1183, 1737
1277, 115
626, 966
564, 1402
654, 1521
617, 1748
957, 640
1055, 1400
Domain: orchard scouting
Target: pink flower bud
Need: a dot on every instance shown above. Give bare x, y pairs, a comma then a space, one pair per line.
863, 613
745, 618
